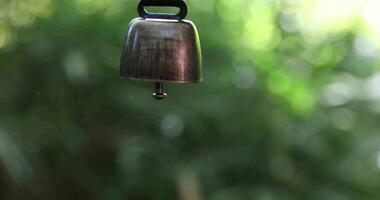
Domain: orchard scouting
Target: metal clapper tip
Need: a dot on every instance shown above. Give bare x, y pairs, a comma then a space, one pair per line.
159, 91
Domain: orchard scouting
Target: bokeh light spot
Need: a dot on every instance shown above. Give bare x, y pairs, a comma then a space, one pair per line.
76, 66
373, 87
172, 125
365, 46
279, 82
229, 10
343, 118
19, 14
41, 8
244, 77
260, 32
337, 94
301, 99
91, 6
288, 21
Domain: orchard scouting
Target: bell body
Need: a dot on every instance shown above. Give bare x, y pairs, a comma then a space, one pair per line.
161, 50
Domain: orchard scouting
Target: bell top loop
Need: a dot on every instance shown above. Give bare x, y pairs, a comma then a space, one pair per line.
181, 4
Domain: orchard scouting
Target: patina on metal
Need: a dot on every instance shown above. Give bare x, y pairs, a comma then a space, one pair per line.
162, 48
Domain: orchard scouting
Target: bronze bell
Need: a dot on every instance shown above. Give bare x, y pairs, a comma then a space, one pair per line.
162, 48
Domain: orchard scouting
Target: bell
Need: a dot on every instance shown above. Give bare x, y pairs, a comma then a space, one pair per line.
162, 48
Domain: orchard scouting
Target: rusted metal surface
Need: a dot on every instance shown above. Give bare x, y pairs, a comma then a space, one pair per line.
162, 47
161, 50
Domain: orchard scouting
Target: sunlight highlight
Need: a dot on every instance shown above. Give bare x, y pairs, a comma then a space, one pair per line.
319, 19
371, 15
335, 14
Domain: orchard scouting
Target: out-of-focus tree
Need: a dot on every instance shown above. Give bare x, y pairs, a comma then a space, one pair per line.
289, 108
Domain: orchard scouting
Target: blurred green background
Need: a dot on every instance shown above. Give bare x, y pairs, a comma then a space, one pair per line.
289, 108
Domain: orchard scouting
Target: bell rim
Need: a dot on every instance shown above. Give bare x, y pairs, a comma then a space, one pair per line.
165, 81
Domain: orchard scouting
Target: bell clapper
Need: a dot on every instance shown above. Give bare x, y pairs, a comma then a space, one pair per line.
160, 91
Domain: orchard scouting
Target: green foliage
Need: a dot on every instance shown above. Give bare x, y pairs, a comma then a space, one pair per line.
288, 109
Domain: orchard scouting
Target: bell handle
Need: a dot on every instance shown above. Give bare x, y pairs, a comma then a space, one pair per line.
181, 4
